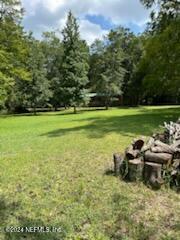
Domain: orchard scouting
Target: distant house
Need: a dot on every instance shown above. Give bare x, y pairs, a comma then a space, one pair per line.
98, 99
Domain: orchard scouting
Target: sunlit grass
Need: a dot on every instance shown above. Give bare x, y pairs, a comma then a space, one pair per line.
54, 173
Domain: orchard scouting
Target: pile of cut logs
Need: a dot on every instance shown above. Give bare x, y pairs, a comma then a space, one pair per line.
152, 160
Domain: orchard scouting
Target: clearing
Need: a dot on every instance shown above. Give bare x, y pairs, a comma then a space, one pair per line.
56, 171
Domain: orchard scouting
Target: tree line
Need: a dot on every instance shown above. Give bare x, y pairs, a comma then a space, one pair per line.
61, 72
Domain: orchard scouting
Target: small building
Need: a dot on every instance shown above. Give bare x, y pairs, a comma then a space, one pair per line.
98, 100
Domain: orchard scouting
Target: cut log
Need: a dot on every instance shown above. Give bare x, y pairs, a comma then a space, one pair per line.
135, 169
177, 154
156, 149
172, 131
131, 153
176, 144
165, 147
149, 144
118, 161
176, 163
160, 137
160, 149
152, 174
163, 158
176, 171
138, 144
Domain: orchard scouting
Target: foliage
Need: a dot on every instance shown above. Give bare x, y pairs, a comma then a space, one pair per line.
37, 91
11, 10
168, 10
75, 65
53, 53
13, 51
135, 68
107, 71
6, 81
132, 47
159, 65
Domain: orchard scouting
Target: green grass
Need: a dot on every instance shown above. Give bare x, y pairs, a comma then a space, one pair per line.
55, 172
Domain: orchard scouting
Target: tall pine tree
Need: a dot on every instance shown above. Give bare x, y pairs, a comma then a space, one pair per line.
75, 65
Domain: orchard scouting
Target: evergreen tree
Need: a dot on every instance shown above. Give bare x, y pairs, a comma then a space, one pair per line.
75, 65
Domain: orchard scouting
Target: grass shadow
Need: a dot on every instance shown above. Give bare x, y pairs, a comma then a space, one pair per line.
59, 112
143, 123
25, 226
6, 209
109, 172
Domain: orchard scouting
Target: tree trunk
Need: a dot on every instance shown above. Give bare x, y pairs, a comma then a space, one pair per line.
152, 174
107, 103
163, 158
34, 110
75, 110
135, 169
118, 161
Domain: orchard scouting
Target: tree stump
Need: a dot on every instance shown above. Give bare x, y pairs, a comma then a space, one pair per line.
152, 174
163, 158
118, 161
135, 169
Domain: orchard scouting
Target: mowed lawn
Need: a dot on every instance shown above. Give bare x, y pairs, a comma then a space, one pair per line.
55, 170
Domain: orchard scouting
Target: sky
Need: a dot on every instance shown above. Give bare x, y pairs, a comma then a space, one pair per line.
95, 17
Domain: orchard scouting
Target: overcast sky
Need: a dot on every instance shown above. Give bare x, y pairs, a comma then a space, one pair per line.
95, 17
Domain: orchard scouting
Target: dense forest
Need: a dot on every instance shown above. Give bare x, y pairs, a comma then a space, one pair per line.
63, 71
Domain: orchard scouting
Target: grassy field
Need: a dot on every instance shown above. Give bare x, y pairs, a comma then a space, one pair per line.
56, 171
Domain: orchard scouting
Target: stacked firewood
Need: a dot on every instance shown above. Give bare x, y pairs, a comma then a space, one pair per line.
152, 160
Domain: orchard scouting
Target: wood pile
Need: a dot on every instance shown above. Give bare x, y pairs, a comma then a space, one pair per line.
153, 161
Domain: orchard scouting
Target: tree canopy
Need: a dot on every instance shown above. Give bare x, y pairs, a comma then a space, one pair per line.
60, 69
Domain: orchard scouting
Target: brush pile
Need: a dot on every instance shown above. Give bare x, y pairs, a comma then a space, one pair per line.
155, 161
